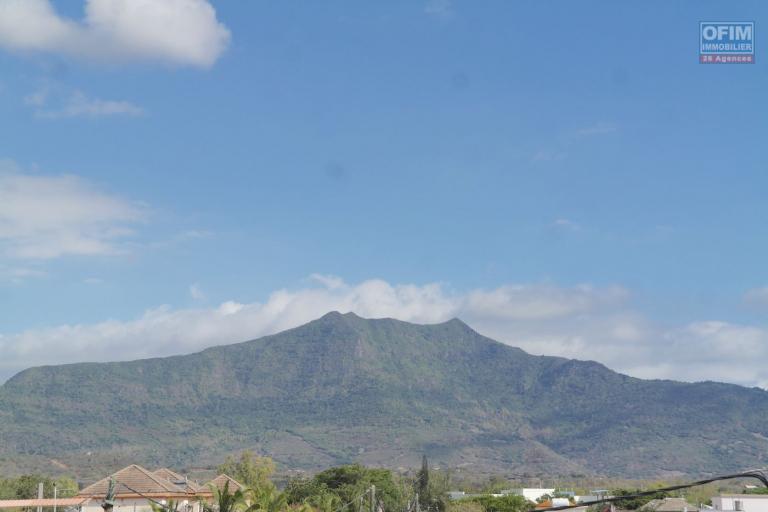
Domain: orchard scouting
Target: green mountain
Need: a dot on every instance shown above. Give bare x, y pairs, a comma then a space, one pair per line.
382, 392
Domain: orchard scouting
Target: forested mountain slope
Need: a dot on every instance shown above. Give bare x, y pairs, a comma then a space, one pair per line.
382, 392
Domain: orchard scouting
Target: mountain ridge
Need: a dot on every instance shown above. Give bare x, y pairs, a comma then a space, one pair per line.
379, 391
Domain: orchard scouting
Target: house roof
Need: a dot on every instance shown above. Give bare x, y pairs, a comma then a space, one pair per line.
135, 480
220, 481
178, 480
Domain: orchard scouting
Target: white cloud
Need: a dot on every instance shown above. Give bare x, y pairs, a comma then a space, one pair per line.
540, 302
196, 292
44, 217
183, 32
582, 322
78, 104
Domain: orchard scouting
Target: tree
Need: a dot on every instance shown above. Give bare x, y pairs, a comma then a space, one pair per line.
302, 489
25, 487
422, 481
431, 486
250, 470
326, 502
464, 506
508, 503
353, 481
224, 500
264, 499
635, 503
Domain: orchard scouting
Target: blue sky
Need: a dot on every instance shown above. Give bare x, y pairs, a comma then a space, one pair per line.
553, 172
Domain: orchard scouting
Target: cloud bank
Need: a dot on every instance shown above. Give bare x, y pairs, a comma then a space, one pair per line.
582, 322
181, 32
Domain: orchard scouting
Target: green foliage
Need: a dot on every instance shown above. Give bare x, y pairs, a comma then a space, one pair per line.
464, 506
438, 486
250, 470
351, 481
347, 484
25, 487
225, 500
302, 489
324, 502
422, 479
422, 484
635, 503
264, 499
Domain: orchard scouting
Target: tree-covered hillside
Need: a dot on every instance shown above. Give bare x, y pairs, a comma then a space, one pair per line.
345, 389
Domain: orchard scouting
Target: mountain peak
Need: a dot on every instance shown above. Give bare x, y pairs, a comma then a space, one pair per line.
459, 323
335, 315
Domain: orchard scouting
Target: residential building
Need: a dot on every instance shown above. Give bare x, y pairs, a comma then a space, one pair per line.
137, 489
740, 503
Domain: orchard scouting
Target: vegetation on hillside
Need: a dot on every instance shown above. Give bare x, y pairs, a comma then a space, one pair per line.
344, 390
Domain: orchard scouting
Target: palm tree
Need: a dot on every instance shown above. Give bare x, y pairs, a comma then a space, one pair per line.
325, 502
225, 501
170, 506
266, 499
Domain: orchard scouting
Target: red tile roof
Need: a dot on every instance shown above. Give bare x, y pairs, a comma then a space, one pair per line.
221, 480
135, 481
178, 480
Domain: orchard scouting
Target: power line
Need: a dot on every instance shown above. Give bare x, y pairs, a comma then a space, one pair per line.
758, 474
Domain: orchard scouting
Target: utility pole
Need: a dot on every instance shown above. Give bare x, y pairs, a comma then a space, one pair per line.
40, 496
373, 498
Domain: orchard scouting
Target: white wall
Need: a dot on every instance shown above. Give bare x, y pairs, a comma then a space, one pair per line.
138, 505
744, 502
533, 493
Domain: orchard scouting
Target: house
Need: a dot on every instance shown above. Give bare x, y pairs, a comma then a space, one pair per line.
740, 503
532, 494
137, 489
